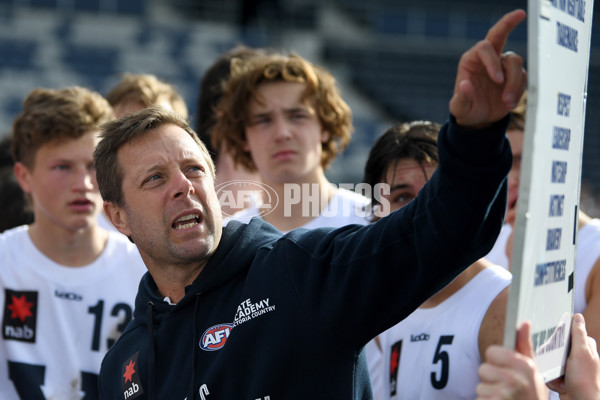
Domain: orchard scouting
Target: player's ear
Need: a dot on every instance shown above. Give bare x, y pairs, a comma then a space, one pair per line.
23, 176
116, 214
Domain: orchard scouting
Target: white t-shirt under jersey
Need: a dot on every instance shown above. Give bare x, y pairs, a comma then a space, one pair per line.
58, 322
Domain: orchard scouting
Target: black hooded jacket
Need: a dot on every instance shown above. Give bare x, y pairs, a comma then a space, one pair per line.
276, 317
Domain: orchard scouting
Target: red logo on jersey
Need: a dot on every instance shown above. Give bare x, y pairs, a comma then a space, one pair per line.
130, 382
214, 338
20, 307
20, 315
394, 364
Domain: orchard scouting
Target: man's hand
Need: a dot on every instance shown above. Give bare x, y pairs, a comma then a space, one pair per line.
489, 83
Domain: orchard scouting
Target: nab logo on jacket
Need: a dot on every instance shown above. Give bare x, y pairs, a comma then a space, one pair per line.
214, 338
130, 382
20, 315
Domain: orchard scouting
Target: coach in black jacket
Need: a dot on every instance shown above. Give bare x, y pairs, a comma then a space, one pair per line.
247, 313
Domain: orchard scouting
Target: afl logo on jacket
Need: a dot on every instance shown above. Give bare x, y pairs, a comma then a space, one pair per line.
214, 338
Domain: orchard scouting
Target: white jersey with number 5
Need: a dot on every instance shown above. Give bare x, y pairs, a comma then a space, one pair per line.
434, 352
58, 322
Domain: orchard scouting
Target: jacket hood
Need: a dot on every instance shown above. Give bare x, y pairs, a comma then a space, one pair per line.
230, 259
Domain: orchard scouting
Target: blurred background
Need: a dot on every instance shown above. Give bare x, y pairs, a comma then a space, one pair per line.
394, 60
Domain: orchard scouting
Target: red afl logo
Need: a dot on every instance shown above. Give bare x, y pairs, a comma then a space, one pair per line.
214, 338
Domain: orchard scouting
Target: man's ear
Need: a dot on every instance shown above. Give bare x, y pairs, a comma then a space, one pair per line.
23, 176
325, 136
118, 217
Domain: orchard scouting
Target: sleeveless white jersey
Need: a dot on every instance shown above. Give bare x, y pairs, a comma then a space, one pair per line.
434, 352
588, 252
498, 255
58, 322
345, 208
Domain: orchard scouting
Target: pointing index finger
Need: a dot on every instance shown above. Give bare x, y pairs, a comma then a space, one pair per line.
498, 34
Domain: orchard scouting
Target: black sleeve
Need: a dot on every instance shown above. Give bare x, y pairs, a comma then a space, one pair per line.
360, 281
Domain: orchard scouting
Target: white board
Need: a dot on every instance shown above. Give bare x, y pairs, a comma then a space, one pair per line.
559, 33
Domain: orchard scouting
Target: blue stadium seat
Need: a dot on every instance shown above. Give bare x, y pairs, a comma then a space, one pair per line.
91, 60
17, 54
44, 3
132, 7
437, 25
87, 5
390, 21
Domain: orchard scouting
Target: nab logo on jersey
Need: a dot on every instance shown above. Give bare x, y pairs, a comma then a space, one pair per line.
20, 315
130, 382
215, 337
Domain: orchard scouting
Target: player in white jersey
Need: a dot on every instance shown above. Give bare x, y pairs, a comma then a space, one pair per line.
436, 351
284, 118
67, 286
58, 322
